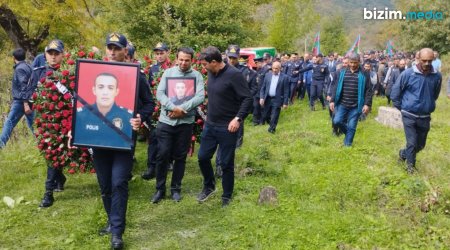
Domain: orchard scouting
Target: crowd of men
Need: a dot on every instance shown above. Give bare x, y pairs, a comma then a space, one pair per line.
346, 84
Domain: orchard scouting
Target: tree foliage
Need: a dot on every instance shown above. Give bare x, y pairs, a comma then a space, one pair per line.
29, 23
291, 20
195, 23
416, 34
332, 35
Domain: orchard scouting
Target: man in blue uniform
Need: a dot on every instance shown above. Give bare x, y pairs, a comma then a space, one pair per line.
161, 52
292, 71
91, 129
55, 177
319, 76
113, 167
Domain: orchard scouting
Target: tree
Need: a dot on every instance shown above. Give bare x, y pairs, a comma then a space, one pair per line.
333, 38
195, 23
291, 20
29, 23
417, 34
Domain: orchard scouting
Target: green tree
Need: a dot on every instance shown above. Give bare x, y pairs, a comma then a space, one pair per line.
195, 23
29, 23
416, 34
332, 36
291, 20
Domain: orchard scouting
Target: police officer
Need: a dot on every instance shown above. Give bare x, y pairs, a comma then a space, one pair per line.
260, 73
113, 167
161, 52
292, 70
91, 127
319, 76
55, 178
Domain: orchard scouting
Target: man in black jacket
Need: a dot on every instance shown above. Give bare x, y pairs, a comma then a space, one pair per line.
229, 102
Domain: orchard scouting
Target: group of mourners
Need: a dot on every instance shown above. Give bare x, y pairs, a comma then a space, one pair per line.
346, 84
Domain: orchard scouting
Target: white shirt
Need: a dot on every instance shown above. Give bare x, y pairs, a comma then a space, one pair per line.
273, 85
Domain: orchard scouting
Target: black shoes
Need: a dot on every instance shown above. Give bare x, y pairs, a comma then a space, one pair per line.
225, 202
401, 158
148, 174
312, 108
205, 194
116, 241
48, 199
176, 196
158, 196
410, 168
271, 130
106, 230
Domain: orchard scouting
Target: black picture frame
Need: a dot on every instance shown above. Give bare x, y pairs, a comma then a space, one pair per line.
172, 87
102, 112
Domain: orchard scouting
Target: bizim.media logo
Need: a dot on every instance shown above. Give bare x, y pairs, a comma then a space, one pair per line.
387, 14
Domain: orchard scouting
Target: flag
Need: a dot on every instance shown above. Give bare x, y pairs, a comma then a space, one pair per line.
316, 46
355, 46
389, 48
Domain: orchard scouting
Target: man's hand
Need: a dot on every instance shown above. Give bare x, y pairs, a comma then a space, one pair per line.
366, 109
332, 106
136, 122
26, 107
176, 113
233, 126
285, 106
69, 134
328, 98
261, 102
448, 96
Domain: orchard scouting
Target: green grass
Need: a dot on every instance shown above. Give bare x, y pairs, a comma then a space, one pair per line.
329, 197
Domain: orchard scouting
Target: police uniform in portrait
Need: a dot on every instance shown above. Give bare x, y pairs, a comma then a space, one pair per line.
92, 130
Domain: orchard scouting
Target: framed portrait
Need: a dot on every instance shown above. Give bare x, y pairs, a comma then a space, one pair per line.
180, 89
105, 99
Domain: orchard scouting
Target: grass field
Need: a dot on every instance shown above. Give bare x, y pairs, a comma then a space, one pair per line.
329, 197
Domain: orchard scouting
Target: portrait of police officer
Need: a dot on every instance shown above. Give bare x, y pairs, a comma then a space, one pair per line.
91, 127
180, 94
113, 167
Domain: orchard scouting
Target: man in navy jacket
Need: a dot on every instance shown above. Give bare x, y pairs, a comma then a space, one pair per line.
414, 94
274, 93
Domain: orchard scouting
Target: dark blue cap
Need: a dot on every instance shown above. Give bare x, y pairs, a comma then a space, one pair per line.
131, 49
116, 39
56, 45
161, 46
233, 51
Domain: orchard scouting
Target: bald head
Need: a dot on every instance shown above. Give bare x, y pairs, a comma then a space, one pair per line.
276, 68
426, 57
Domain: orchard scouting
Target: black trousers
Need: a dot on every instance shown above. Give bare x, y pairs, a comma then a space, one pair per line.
316, 92
272, 109
416, 131
256, 111
152, 149
173, 144
54, 176
113, 170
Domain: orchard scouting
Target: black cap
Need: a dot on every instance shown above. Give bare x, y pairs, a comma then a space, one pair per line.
320, 55
233, 51
116, 39
258, 59
56, 45
266, 56
161, 46
372, 52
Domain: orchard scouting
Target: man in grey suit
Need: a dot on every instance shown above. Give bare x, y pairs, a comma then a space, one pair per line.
274, 93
